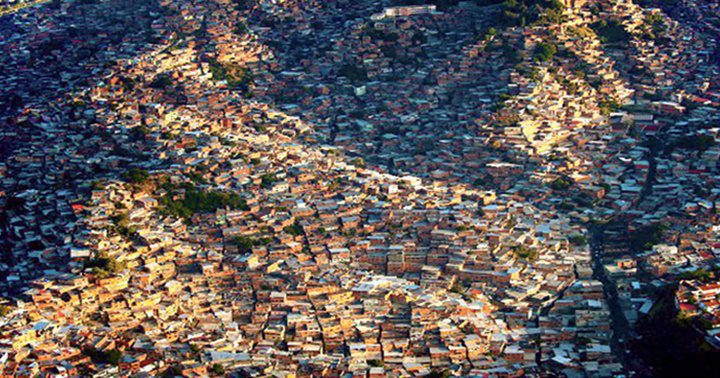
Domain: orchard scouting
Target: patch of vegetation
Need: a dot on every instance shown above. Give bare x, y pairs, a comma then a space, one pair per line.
237, 77
217, 369
376, 363
699, 275
353, 73
242, 5
195, 348
524, 253
646, 237
389, 51
128, 84
611, 31
97, 185
195, 201
439, 374
122, 225
577, 239
161, 81
172, 371
562, 183
654, 26
111, 357
267, 180
240, 29
524, 12
245, 243
419, 38
294, 229
698, 143
104, 266
382, 35
608, 106
139, 132
358, 162
137, 176
544, 52
4, 310
511, 53
669, 344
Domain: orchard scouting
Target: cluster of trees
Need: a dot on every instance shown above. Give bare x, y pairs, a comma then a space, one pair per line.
112, 357
161, 81
358, 162
353, 73
294, 229
698, 143
608, 106
241, 28
137, 176
121, 225
237, 77
611, 31
242, 5
544, 52
561, 183
245, 243
514, 12
196, 200
644, 238
654, 26
577, 239
376, 363
702, 275
669, 345
523, 12
524, 253
217, 369
267, 180
104, 266
382, 35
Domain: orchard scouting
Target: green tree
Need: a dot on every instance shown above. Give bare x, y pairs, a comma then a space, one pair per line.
544, 52
104, 265
611, 31
376, 363
577, 239
217, 369
243, 243
294, 229
161, 81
